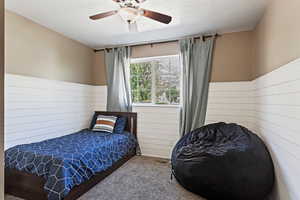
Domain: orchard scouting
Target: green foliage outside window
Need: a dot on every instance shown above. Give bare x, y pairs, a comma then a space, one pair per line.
141, 82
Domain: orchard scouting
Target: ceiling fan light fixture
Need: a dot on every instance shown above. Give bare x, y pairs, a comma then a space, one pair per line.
129, 15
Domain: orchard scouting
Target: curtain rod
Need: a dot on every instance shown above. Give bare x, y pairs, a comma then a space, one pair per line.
158, 42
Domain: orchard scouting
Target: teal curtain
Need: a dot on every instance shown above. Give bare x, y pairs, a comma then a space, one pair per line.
118, 86
196, 61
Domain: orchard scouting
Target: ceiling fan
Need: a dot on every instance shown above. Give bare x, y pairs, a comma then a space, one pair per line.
130, 11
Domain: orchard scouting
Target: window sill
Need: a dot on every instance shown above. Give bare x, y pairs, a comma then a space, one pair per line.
155, 105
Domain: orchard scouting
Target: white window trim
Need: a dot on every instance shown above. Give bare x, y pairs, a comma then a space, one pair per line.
146, 59
156, 105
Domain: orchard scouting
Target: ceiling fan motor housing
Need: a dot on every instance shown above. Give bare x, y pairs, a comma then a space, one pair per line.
129, 3
137, 1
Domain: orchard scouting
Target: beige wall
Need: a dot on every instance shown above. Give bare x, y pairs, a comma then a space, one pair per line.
1, 98
34, 50
276, 37
160, 49
99, 70
232, 57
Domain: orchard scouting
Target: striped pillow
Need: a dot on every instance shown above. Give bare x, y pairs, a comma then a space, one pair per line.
105, 123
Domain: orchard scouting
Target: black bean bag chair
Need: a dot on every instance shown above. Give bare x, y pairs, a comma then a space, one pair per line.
223, 161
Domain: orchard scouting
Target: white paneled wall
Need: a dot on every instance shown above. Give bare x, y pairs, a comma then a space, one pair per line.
100, 95
38, 109
231, 102
158, 129
158, 126
277, 119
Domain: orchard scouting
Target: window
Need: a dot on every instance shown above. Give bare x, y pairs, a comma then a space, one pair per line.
155, 80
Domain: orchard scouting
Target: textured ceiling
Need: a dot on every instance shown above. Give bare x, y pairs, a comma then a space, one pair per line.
190, 17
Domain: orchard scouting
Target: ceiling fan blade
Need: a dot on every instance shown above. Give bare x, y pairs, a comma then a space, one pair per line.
140, 1
102, 15
166, 19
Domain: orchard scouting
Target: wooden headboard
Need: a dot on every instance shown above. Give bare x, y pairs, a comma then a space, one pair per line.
131, 125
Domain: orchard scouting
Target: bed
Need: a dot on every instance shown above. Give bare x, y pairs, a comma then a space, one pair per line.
68, 166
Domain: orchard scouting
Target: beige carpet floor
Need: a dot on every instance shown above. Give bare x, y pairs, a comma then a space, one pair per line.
141, 178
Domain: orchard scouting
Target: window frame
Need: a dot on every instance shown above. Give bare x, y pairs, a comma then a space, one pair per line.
148, 59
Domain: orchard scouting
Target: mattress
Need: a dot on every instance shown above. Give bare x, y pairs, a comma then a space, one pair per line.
70, 160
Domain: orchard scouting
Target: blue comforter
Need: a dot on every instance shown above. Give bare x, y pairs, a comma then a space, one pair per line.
68, 161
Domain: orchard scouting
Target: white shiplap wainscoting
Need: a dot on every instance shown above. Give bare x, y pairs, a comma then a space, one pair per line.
38, 109
158, 126
158, 129
231, 102
100, 96
277, 119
